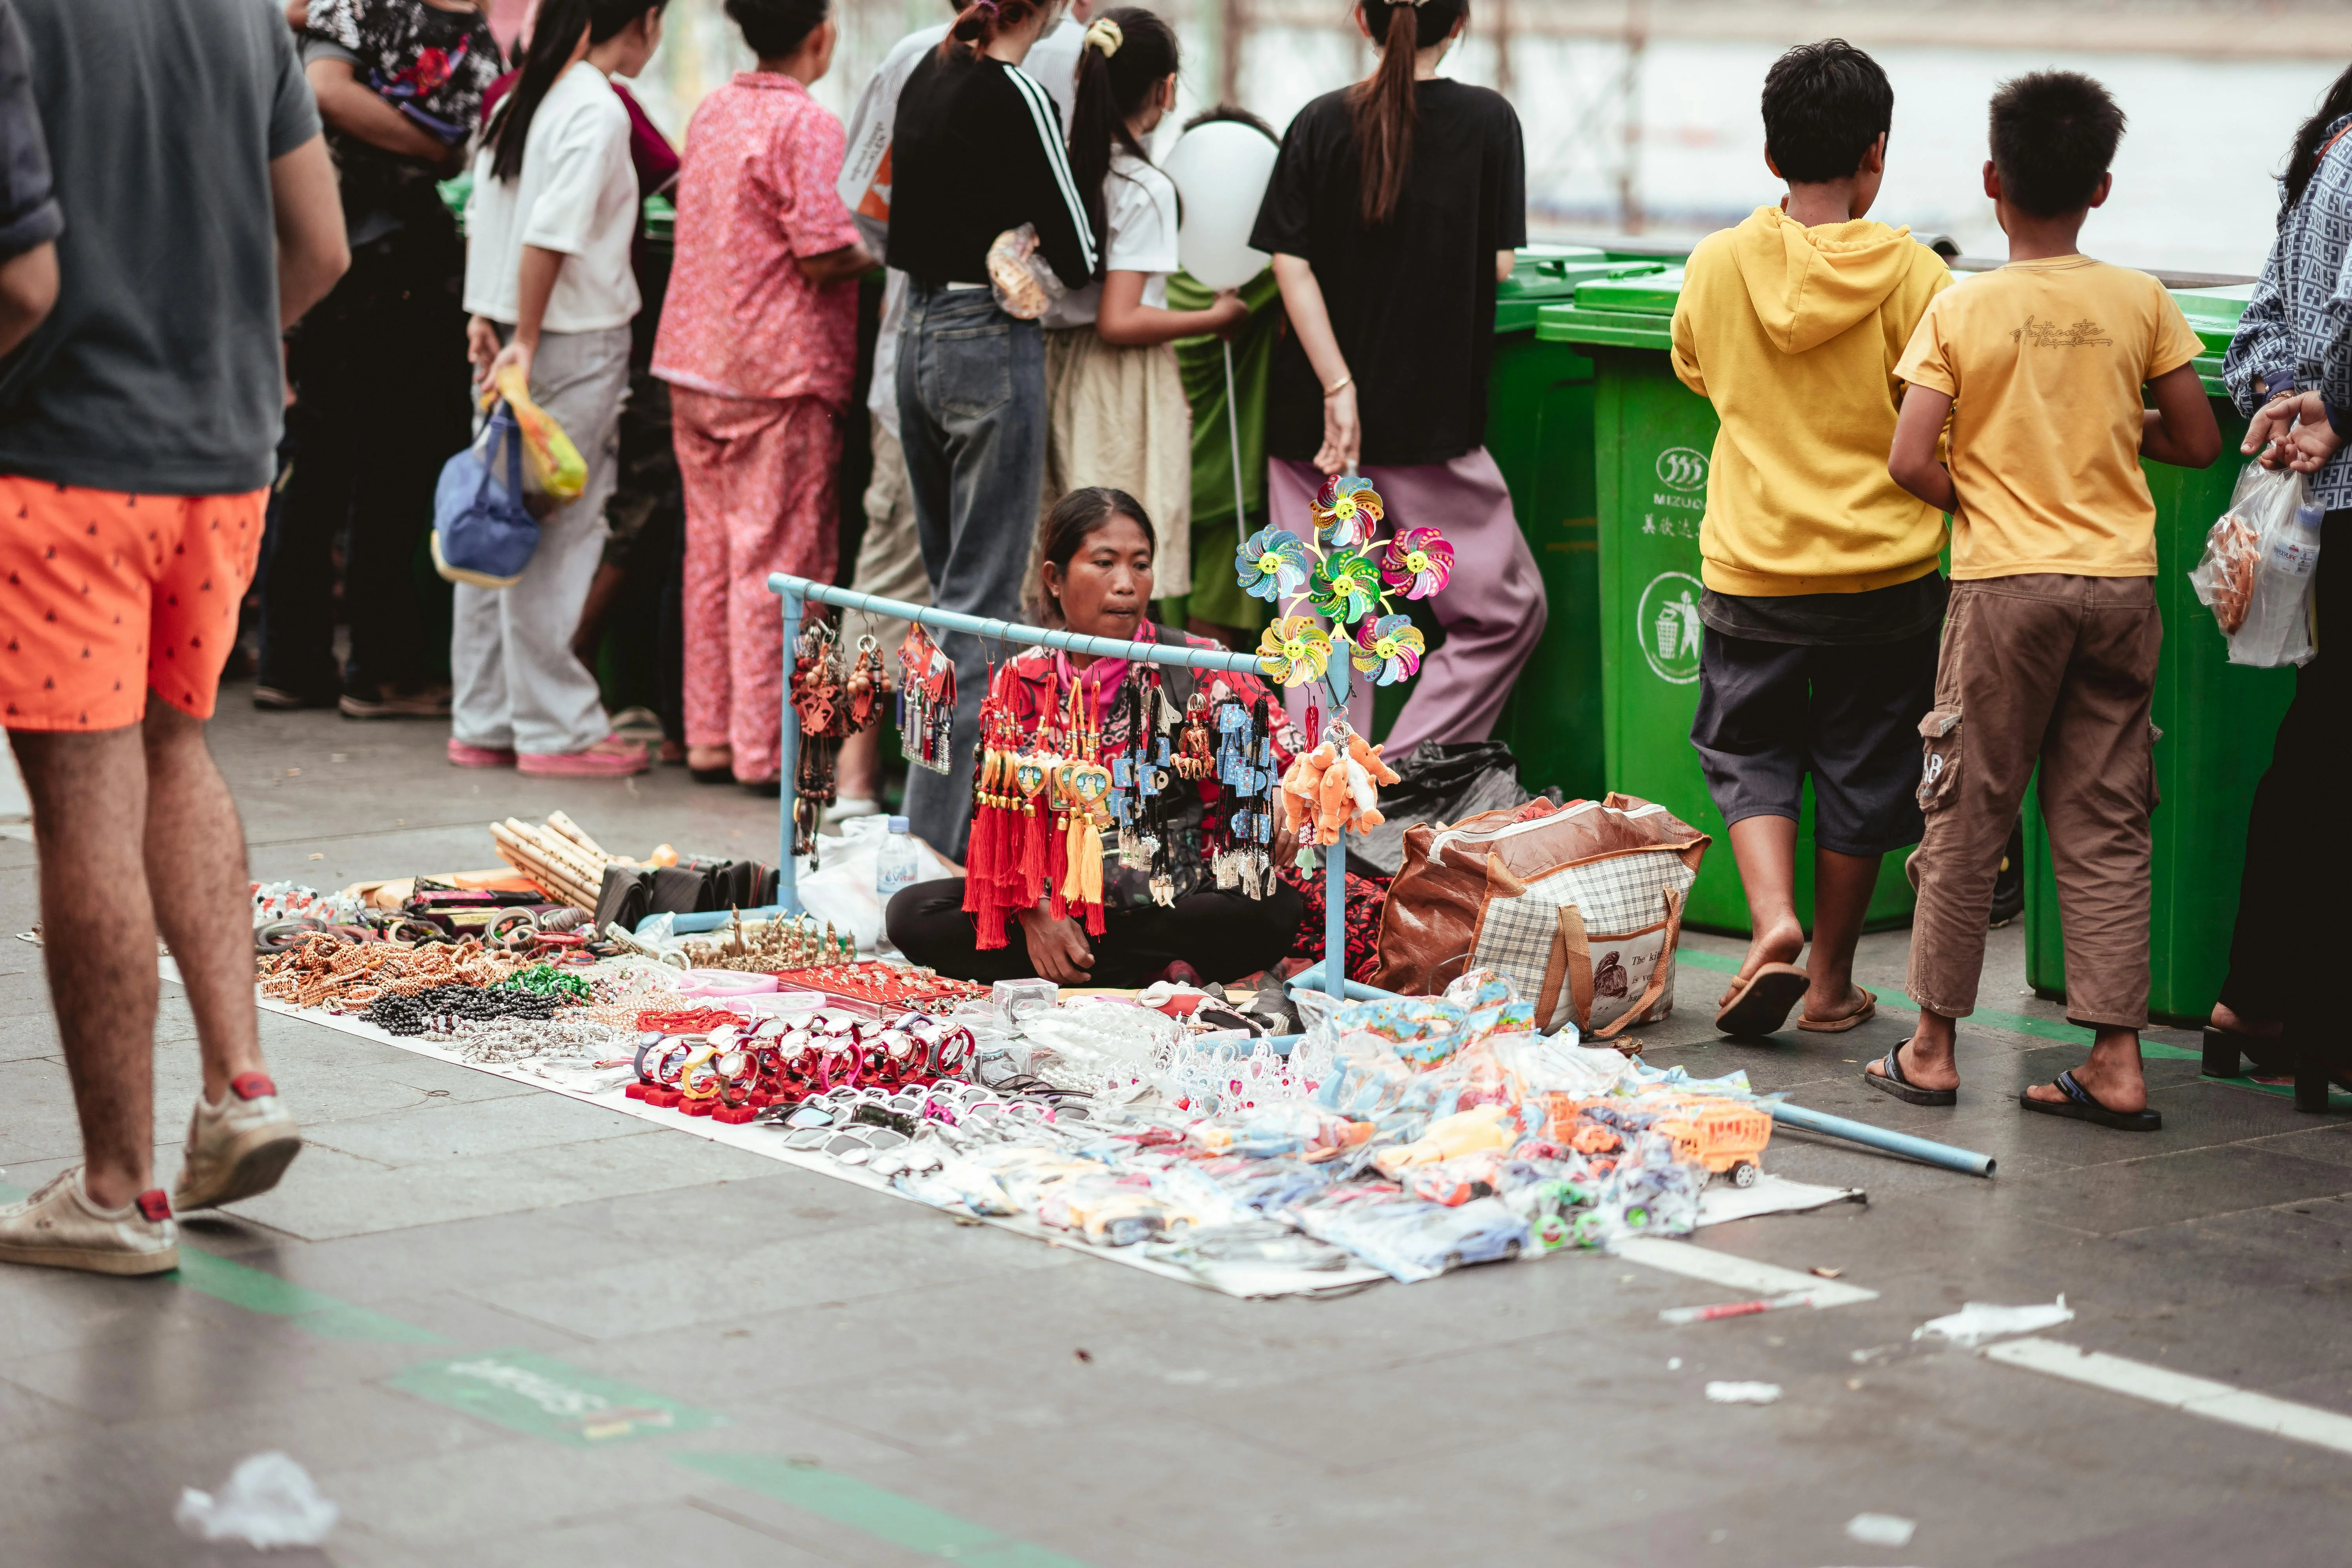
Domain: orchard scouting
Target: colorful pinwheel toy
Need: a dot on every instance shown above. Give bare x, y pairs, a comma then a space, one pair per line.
1346, 587
1272, 565
1346, 511
1294, 650
1342, 577
1389, 650
1418, 563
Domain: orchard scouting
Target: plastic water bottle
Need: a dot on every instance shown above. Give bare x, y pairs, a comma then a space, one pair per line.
2296, 551
2277, 629
897, 866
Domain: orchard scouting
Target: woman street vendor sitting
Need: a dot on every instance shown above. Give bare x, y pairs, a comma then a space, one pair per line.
1124, 813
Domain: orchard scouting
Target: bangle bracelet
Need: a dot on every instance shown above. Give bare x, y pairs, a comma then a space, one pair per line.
1340, 386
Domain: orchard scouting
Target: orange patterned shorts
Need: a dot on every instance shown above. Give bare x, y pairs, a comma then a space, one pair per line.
109, 594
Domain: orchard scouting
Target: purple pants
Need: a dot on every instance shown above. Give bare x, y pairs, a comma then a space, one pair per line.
1492, 610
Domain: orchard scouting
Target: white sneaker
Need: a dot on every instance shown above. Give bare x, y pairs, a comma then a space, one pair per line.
238, 1148
843, 810
60, 1227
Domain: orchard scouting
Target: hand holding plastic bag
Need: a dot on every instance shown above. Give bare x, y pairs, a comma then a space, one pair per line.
2257, 570
553, 472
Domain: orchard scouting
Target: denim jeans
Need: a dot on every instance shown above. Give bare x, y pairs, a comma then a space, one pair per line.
971, 416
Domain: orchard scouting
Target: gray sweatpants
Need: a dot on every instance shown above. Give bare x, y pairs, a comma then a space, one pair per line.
516, 683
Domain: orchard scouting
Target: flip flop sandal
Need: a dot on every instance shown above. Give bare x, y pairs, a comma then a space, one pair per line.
2081, 1105
1889, 1079
1840, 1025
1763, 1005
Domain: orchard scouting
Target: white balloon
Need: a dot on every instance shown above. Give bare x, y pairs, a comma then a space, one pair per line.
1221, 170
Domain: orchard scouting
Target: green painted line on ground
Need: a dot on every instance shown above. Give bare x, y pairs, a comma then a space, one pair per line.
314, 1312
540, 1396
543, 1397
2039, 1028
873, 1510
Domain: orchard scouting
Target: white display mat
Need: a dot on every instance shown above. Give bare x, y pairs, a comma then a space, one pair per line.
1719, 1203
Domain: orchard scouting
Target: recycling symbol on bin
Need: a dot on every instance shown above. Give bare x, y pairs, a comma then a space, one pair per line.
1682, 469
1667, 624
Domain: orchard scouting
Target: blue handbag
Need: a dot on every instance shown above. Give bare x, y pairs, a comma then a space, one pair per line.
481, 532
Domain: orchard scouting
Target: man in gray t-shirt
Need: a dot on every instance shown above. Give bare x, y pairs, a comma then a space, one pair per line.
137, 428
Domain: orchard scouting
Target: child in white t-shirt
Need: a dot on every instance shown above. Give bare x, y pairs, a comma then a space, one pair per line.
549, 291
1118, 416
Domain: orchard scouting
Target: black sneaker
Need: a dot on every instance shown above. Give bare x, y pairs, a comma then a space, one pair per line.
392, 701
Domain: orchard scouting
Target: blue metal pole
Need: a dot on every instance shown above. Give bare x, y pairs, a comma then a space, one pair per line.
1311, 979
788, 892
1965, 1161
1012, 631
1335, 858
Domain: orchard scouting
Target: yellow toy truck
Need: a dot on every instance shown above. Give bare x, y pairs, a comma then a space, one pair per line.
1724, 1135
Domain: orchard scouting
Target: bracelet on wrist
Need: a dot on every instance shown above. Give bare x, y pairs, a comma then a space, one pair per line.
1340, 386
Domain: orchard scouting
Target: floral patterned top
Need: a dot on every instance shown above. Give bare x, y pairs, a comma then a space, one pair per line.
756, 196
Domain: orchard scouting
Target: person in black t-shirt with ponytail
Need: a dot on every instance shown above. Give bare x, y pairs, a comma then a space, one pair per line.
1392, 213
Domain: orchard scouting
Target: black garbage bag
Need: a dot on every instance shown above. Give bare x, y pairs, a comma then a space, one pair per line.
1438, 782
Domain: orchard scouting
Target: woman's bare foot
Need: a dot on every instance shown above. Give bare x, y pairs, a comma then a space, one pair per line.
710, 759
1777, 944
2229, 1021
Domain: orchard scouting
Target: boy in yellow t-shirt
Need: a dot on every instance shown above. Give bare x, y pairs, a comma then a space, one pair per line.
1822, 598
2051, 643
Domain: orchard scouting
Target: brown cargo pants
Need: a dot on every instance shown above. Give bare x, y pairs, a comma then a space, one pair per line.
2058, 670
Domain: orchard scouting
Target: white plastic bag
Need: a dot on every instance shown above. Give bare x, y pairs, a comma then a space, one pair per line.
2257, 570
270, 1501
1980, 1320
842, 888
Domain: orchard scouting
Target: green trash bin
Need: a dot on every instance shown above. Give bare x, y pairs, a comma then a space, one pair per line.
1651, 441
1539, 433
2218, 721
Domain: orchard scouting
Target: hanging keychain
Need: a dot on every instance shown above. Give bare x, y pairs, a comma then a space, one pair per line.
825, 711
927, 700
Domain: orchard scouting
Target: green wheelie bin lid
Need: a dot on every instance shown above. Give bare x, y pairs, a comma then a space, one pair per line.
1545, 273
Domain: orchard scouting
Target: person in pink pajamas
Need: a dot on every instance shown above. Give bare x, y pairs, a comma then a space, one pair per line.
759, 344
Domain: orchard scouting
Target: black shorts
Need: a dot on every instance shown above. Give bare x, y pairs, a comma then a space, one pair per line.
1772, 713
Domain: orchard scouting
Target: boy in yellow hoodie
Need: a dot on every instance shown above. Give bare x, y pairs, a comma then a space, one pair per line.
1824, 601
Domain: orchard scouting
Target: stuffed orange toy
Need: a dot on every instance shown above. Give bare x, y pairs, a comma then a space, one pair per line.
1332, 792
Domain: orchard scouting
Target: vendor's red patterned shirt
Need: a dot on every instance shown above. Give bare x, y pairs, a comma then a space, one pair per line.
757, 196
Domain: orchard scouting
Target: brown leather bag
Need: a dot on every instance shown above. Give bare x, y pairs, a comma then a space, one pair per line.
1580, 910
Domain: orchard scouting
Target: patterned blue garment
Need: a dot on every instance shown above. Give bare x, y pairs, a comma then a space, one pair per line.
2297, 329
